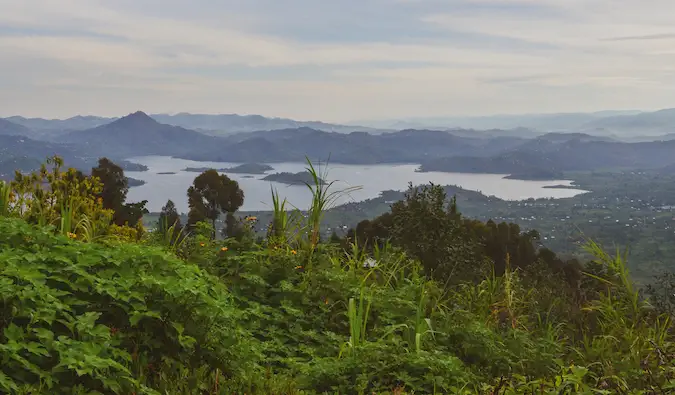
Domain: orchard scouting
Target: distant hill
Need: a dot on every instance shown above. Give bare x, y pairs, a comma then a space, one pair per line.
522, 165
542, 122
648, 123
52, 129
10, 128
565, 137
535, 158
221, 124
406, 146
24, 154
139, 134
215, 125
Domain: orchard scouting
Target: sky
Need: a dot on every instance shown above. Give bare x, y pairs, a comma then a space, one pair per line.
335, 60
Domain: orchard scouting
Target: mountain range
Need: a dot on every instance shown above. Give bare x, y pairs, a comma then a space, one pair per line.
618, 124
216, 125
457, 150
139, 134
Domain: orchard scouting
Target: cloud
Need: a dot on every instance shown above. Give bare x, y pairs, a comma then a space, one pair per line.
662, 36
331, 60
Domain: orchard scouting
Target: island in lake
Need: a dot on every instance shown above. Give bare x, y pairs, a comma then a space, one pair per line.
132, 182
245, 168
166, 172
573, 186
300, 178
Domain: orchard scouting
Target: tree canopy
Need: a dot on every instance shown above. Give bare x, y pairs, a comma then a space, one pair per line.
212, 194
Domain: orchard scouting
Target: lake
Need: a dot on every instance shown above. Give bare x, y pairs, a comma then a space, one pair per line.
372, 179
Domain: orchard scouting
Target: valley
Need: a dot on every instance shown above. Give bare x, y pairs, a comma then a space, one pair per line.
513, 175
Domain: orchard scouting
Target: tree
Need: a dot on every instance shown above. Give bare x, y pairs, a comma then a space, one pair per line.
212, 194
169, 217
115, 184
131, 213
431, 230
114, 193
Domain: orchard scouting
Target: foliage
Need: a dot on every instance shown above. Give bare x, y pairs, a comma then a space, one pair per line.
115, 187
211, 194
6, 199
419, 300
322, 199
85, 317
60, 198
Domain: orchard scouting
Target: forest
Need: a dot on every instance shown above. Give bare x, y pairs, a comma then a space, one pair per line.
420, 299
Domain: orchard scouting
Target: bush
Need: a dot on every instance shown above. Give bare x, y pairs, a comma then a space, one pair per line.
108, 319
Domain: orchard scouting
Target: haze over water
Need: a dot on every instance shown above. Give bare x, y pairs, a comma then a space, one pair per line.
372, 179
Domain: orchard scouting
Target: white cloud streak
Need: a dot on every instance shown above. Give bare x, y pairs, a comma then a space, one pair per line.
100, 58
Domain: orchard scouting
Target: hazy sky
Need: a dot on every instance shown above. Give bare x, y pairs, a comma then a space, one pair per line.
335, 60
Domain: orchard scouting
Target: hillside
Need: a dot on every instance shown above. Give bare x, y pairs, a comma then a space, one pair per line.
138, 134
223, 124
406, 146
24, 154
59, 125
541, 122
651, 123
560, 154
13, 129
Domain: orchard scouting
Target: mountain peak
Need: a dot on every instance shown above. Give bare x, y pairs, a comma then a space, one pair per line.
138, 118
138, 115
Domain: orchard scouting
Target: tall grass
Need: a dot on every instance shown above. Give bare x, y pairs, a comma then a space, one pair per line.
5, 199
172, 237
322, 199
67, 221
284, 224
358, 321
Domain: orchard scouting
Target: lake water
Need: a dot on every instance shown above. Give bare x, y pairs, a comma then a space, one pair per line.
372, 179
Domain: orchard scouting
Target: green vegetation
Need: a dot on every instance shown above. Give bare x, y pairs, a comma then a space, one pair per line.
630, 210
419, 300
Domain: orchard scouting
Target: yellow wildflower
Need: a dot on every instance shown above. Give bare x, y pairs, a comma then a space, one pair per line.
224, 249
294, 252
202, 244
298, 267
72, 235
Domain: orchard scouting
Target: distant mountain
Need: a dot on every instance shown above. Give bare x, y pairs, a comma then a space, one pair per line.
139, 134
565, 137
540, 156
14, 129
406, 146
51, 128
541, 122
621, 124
222, 124
528, 165
648, 123
24, 154
215, 125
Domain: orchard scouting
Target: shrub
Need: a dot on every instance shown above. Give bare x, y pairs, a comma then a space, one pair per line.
108, 319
